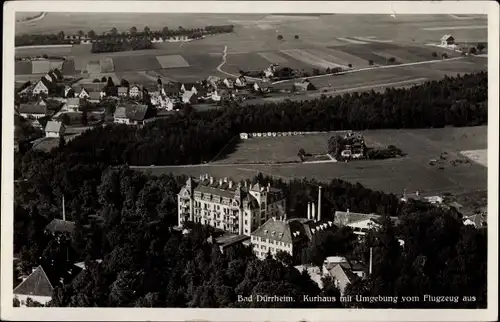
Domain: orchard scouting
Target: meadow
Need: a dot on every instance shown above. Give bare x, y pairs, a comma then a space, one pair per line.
412, 172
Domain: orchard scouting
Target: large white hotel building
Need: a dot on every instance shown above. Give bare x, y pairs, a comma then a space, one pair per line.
233, 207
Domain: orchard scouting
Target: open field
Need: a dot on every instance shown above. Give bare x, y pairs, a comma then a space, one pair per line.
479, 156
351, 39
394, 175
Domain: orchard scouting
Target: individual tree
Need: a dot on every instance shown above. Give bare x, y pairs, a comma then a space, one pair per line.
349, 65
80, 33
285, 258
434, 54
96, 80
147, 31
444, 56
133, 31
480, 47
114, 31
124, 83
166, 31
472, 50
391, 60
92, 34
60, 35
104, 79
280, 37
296, 37
370, 62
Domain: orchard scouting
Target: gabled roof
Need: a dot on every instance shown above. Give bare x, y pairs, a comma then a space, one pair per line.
37, 284
60, 226
447, 37
31, 108
135, 112
89, 87
343, 275
53, 126
188, 95
45, 82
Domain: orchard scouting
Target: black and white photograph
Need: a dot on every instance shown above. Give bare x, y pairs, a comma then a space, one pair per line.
205, 156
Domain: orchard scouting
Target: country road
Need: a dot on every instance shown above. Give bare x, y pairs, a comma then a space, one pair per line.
378, 67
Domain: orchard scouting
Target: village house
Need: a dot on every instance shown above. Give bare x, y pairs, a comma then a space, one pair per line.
137, 91
189, 97
69, 91
447, 40
228, 82
54, 129
213, 81
31, 110
229, 206
73, 104
36, 287
131, 114
122, 91
172, 90
43, 86
304, 86
261, 87
86, 90
241, 82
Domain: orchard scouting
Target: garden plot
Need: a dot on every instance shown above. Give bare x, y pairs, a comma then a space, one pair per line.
309, 58
93, 67
273, 58
172, 61
107, 65
40, 66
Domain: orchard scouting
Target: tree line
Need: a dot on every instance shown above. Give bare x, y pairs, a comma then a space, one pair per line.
113, 45
61, 38
194, 137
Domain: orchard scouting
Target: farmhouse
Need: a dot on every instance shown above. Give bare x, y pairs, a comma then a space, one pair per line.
261, 87
36, 287
304, 86
447, 40
54, 129
172, 89
131, 114
86, 90
31, 110
234, 207
243, 136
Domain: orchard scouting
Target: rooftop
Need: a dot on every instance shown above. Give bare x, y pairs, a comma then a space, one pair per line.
53, 126
37, 284
136, 112
59, 225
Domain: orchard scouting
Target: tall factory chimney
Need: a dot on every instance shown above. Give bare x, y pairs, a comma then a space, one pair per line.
319, 203
313, 211
309, 210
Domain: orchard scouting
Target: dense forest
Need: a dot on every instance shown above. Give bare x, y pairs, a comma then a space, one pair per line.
199, 136
125, 218
113, 45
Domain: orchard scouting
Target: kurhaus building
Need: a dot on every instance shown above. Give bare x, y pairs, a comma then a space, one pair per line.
233, 207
